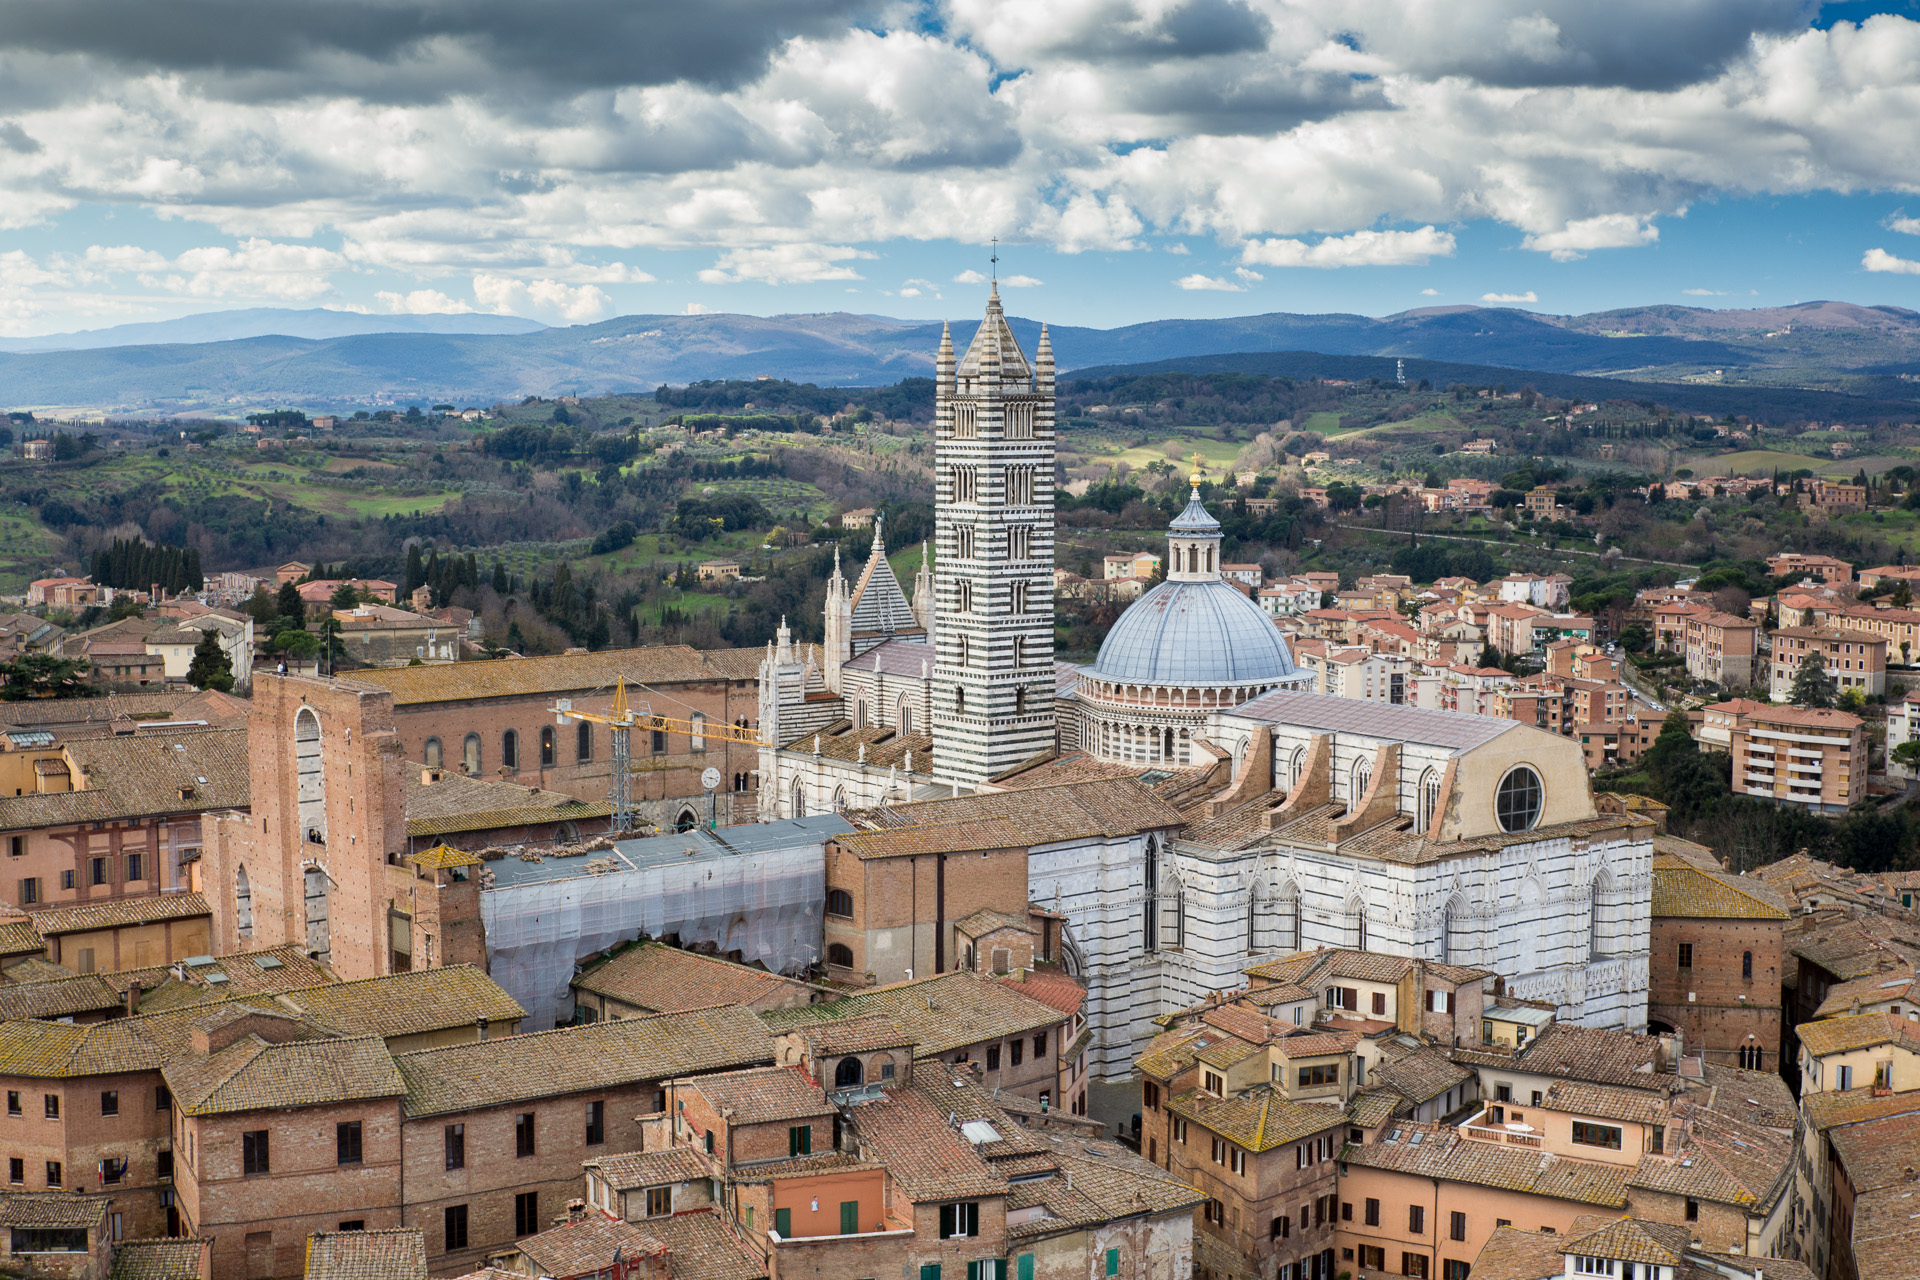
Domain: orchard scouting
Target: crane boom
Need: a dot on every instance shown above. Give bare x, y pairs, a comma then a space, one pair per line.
623, 718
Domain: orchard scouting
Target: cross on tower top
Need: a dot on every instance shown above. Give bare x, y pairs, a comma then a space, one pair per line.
995, 261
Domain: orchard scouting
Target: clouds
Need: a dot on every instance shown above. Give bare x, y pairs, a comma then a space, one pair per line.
1361, 249
1880, 261
541, 146
1202, 283
1499, 299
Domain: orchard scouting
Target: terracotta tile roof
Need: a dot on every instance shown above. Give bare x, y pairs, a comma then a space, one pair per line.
1258, 1120
1442, 1153
1858, 1031
1044, 815
1603, 1102
1052, 987
703, 1249
934, 837
140, 775
252, 1075
1098, 1182
761, 1095
586, 1247
18, 937
1886, 1236
1171, 1052
1885, 987
1760, 1096
443, 856
1226, 1051
1372, 1108
1693, 892
458, 803
393, 1254
1242, 1022
120, 912
1316, 1044
575, 1059
52, 1209
1596, 1055
60, 998
1856, 1106
1877, 1153
402, 1004
565, 673
159, 1259
1721, 1158
944, 1012
37, 969
283, 968
927, 1158
1513, 1254
666, 979
860, 1034
1661, 1244
1422, 1075
632, 1169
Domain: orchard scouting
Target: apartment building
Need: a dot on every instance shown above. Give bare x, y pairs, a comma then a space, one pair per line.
1900, 628
1721, 648
1805, 756
1855, 659
1825, 569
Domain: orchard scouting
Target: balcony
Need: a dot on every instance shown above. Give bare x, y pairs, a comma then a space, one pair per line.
1503, 1137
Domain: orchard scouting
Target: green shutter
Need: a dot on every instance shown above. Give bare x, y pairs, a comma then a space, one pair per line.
849, 1217
999, 1269
783, 1223
1113, 1262
1025, 1270
929, 1271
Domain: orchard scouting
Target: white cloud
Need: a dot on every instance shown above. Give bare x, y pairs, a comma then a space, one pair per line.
1360, 249
1198, 282
908, 292
1248, 276
785, 264
1606, 231
1705, 293
504, 295
1528, 296
698, 309
421, 302
1429, 293
1899, 221
1179, 250
1022, 282
1879, 260
970, 277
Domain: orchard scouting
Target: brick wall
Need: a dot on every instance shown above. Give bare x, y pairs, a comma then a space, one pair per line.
901, 904
494, 1173
307, 1189
1728, 1011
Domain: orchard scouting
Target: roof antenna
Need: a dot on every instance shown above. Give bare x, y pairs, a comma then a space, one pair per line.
995, 261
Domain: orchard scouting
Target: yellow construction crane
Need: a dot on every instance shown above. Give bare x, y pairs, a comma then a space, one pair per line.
622, 719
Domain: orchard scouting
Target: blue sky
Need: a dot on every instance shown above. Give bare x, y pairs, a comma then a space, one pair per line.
1138, 159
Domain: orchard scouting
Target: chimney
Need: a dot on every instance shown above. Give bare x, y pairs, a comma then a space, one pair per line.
133, 998
429, 776
481, 1023
576, 1211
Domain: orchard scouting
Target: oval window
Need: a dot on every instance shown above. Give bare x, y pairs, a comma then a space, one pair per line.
1517, 803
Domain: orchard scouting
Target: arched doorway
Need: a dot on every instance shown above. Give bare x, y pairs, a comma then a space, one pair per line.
847, 1073
310, 773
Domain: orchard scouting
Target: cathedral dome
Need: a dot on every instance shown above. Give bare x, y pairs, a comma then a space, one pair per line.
1194, 633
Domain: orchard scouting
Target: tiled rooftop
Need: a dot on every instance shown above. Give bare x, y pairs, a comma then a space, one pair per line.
393, 1254
158, 1259
252, 1075
1681, 890
942, 1013
403, 1004
565, 673
763, 1094
588, 1246
1258, 1120
633, 1169
120, 912
1440, 1152
666, 979
1044, 815
964, 836
1858, 1031
140, 775
576, 1059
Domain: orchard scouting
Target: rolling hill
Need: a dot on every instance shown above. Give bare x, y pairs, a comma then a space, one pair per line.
1827, 347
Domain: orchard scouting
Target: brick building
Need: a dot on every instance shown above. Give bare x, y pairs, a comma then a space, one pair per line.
1721, 648
495, 720
1716, 960
101, 819
655, 978
1785, 564
1856, 660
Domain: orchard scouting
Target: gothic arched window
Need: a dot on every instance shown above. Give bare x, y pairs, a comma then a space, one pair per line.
430, 755
510, 749
547, 748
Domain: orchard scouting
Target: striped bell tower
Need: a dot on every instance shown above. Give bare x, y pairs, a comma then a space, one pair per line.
993, 678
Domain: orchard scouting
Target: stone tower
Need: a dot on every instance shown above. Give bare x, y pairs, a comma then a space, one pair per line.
993, 676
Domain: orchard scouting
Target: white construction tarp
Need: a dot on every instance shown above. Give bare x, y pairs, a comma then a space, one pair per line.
766, 903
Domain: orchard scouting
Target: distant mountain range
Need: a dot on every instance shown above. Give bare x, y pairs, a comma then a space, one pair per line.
1831, 347
259, 322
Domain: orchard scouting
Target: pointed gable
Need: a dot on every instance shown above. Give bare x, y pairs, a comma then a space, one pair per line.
878, 602
994, 345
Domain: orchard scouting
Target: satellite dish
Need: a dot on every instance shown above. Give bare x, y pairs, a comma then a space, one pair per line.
710, 777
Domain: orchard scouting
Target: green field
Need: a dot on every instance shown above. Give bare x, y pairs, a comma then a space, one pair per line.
1219, 454
1751, 461
1324, 423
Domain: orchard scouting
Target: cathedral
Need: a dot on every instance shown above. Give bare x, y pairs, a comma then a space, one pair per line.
1233, 816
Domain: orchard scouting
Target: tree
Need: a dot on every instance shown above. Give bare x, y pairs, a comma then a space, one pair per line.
1691, 784
296, 643
1907, 754
41, 675
499, 578
1812, 685
288, 603
344, 596
211, 667
261, 608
